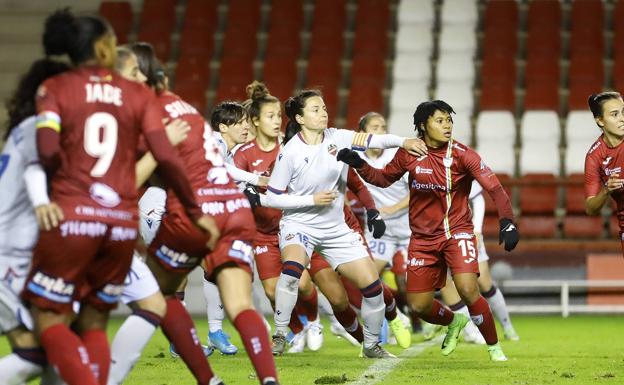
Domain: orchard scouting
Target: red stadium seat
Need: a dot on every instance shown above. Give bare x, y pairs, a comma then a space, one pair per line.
501, 13
194, 70
537, 227
582, 226
575, 194
159, 38
587, 13
234, 76
538, 194
362, 99
371, 41
497, 96
284, 40
541, 96
329, 14
286, 11
501, 41
373, 12
243, 21
586, 40
201, 12
544, 41
618, 71
369, 69
119, 14
197, 41
158, 13
280, 76
543, 13
193, 94
541, 68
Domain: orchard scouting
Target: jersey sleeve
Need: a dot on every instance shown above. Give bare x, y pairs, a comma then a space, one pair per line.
28, 146
48, 108
360, 141
593, 183
282, 173
392, 172
490, 183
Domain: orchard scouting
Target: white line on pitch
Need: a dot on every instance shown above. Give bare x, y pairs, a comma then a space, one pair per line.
380, 369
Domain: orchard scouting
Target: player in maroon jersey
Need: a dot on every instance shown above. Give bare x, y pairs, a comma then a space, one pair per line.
440, 220
178, 248
89, 123
605, 158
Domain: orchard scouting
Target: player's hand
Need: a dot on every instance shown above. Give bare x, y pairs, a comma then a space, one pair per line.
614, 183
508, 233
415, 146
177, 130
48, 216
252, 194
350, 157
263, 181
325, 198
209, 225
375, 224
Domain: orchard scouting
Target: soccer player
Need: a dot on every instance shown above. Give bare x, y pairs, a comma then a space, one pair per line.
178, 248
603, 162
307, 165
24, 207
258, 157
440, 221
89, 122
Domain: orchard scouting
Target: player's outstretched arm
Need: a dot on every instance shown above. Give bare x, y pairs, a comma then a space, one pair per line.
375, 223
378, 177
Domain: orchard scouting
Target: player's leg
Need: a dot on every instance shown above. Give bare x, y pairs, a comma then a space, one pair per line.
214, 311
496, 300
307, 306
27, 359
451, 297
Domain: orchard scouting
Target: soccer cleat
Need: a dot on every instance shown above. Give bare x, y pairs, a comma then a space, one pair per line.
452, 334
472, 335
403, 336
215, 381
376, 351
430, 330
208, 350
221, 341
297, 342
496, 353
511, 335
340, 331
278, 344
314, 335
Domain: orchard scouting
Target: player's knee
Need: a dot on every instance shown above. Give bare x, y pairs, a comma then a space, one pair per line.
469, 292
155, 304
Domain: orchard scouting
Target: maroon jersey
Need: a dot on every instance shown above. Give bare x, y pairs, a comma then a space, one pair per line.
250, 157
203, 163
601, 162
97, 117
440, 184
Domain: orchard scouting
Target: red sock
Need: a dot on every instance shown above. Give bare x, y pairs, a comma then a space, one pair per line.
309, 305
391, 312
354, 294
96, 342
439, 314
295, 324
348, 320
481, 315
65, 351
254, 336
180, 330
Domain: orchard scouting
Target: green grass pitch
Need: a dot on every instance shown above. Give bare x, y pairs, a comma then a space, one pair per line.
552, 350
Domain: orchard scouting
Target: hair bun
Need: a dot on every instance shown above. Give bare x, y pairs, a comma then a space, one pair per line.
60, 32
257, 90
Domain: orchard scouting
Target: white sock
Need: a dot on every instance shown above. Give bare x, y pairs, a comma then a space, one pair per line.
14, 370
51, 377
373, 314
286, 292
470, 328
214, 308
128, 345
499, 308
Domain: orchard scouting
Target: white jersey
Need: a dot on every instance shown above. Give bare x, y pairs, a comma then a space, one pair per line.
240, 176
397, 224
303, 169
18, 225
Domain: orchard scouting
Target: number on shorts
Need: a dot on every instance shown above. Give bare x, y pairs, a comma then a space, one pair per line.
4, 162
467, 248
378, 246
100, 141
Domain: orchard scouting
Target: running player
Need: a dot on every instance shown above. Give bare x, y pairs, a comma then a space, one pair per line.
23, 186
604, 160
92, 165
307, 165
442, 231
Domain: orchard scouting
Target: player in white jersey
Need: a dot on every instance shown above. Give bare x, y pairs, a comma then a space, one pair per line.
392, 201
307, 165
23, 208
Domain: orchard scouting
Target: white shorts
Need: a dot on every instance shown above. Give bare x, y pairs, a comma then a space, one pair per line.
385, 247
483, 256
13, 273
337, 245
151, 211
140, 282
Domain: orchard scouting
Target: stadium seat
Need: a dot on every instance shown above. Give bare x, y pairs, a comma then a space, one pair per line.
581, 132
401, 121
537, 227
414, 39
157, 22
280, 76
454, 66
495, 140
587, 13
193, 94
416, 12
541, 96
362, 99
458, 38
408, 94
459, 12
411, 67
543, 13
458, 94
119, 15
197, 42
462, 128
159, 38
545, 42
497, 96
194, 70
540, 134
501, 14
538, 194
583, 227
243, 21
618, 71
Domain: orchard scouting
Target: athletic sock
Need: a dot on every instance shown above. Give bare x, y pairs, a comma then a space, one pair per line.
22, 365
214, 308
65, 350
372, 312
439, 314
499, 306
286, 292
348, 319
254, 336
482, 317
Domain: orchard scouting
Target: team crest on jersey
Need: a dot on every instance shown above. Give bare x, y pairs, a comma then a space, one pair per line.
332, 149
447, 161
104, 195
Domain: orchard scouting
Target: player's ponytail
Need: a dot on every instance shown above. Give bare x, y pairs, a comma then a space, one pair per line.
21, 105
294, 106
259, 95
65, 33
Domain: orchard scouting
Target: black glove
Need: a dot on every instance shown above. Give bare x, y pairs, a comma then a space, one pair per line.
508, 233
350, 157
253, 196
376, 225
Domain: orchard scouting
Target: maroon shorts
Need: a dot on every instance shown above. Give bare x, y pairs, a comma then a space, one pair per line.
81, 260
268, 256
317, 263
399, 263
427, 264
180, 246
